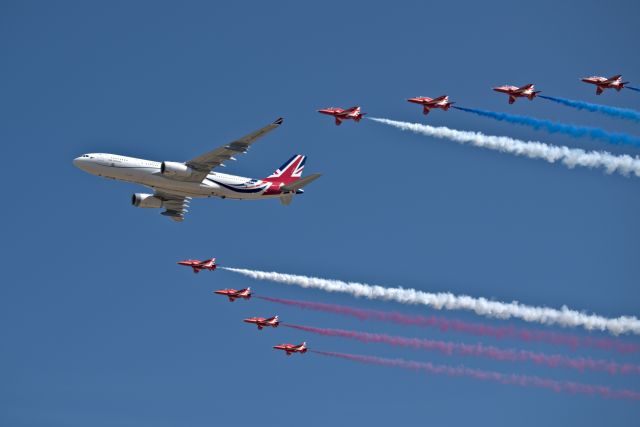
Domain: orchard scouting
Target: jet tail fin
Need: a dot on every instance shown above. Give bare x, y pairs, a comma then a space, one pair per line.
290, 171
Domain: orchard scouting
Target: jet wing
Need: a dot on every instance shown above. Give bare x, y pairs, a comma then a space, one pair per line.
525, 87
174, 204
204, 163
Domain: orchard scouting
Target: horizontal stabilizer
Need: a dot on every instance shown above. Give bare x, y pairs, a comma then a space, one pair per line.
301, 183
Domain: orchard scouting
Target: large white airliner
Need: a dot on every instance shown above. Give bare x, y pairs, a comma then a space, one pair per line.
175, 183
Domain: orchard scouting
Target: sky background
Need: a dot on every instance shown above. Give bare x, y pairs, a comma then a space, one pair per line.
100, 327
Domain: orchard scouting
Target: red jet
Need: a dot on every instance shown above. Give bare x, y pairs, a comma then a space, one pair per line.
602, 83
290, 348
261, 322
197, 265
427, 103
526, 91
233, 294
352, 113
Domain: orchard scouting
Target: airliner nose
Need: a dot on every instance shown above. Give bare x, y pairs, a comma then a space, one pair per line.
81, 162
78, 162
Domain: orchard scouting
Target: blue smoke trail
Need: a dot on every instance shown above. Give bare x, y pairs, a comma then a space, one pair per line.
553, 127
633, 88
622, 113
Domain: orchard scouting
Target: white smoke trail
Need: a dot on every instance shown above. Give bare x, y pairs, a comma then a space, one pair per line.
570, 157
449, 301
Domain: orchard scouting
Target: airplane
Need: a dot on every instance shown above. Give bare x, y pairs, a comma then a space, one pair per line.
290, 348
233, 294
526, 91
602, 83
427, 103
175, 183
197, 265
340, 114
261, 322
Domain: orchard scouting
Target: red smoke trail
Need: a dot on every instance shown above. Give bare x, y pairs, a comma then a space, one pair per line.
478, 329
512, 379
450, 348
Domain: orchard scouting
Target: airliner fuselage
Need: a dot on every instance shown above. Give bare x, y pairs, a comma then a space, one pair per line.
148, 173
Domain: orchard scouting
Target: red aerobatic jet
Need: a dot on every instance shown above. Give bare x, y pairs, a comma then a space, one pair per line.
427, 103
233, 294
602, 83
197, 265
352, 113
290, 348
262, 322
526, 91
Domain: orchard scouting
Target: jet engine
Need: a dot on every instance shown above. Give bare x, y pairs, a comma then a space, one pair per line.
175, 169
143, 200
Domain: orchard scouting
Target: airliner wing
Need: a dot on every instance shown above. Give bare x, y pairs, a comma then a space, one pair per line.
204, 163
174, 204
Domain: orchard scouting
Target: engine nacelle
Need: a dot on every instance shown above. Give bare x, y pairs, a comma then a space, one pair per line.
176, 169
143, 200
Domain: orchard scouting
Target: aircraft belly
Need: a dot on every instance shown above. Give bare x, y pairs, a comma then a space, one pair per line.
151, 177
184, 188
245, 196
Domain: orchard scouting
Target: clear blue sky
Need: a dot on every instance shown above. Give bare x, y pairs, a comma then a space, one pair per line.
100, 327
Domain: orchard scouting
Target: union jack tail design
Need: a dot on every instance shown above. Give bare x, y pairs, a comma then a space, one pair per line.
290, 171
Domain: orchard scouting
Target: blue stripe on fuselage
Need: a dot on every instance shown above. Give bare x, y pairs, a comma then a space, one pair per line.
238, 190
